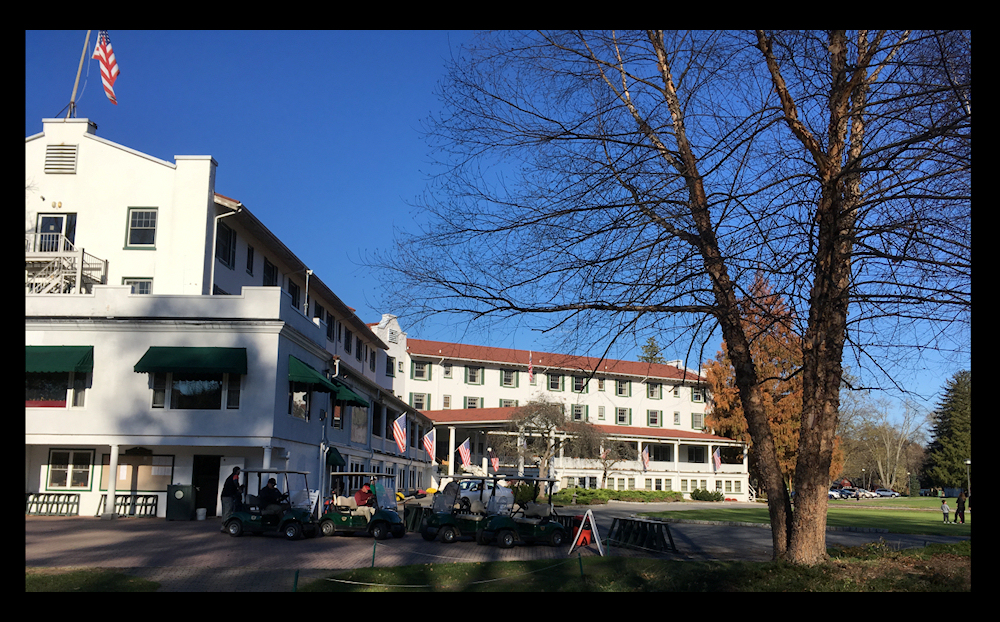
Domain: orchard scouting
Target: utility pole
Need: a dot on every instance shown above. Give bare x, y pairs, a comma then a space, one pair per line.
72, 99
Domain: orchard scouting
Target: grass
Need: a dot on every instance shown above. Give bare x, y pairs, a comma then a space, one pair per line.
875, 568
83, 580
908, 516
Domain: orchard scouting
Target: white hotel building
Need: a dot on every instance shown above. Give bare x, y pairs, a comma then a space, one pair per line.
468, 391
170, 336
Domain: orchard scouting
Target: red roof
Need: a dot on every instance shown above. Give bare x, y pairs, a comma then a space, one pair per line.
542, 361
502, 415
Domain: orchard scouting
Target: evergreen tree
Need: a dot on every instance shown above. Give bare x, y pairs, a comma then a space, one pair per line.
951, 443
651, 352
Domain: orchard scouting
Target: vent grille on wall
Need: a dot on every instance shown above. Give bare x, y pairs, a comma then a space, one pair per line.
60, 159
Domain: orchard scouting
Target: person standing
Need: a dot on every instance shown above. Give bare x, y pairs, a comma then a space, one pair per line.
945, 510
230, 495
960, 508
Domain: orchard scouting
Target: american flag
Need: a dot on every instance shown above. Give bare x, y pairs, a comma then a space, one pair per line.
717, 459
494, 461
465, 450
531, 370
430, 439
399, 432
109, 66
645, 458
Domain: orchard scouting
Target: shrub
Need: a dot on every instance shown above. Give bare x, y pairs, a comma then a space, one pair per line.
706, 495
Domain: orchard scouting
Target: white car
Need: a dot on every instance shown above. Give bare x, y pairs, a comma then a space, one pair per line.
469, 489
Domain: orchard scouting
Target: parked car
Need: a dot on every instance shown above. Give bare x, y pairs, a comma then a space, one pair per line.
836, 493
885, 492
849, 493
867, 494
469, 490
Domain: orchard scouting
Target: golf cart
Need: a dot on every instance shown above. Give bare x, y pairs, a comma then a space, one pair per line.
342, 514
454, 515
526, 521
292, 516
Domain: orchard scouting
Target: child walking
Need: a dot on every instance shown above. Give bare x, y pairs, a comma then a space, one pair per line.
945, 510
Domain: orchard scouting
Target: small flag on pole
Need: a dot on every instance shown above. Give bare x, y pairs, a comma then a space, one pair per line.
645, 458
399, 432
109, 66
430, 439
494, 461
466, 452
717, 459
531, 370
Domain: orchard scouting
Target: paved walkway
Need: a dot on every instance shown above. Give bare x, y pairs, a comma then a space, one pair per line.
193, 556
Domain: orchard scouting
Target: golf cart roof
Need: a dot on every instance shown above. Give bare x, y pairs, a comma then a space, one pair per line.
529, 478
360, 473
277, 471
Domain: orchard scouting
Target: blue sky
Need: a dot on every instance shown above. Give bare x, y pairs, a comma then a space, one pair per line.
317, 133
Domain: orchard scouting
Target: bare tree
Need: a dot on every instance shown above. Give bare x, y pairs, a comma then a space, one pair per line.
621, 183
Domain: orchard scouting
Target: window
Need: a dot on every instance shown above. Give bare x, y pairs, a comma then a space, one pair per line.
54, 232
580, 384
579, 412
677, 391
191, 391
299, 400
623, 416
390, 365
554, 382
249, 260
508, 378
653, 418
357, 349
653, 390
473, 375
697, 395
447, 370
473, 402
70, 469
294, 292
420, 401
696, 453
697, 421
508, 403
55, 390
141, 227
446, 401
623, 388
225, 245
372, 359
270, 274
421, 370
600, 384
348, 340
677, 418
600, 413
139, 286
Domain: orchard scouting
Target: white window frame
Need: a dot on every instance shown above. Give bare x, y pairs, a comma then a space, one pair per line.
141, 225
80, 461
167, 389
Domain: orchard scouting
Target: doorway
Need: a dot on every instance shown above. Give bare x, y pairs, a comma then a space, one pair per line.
205, 478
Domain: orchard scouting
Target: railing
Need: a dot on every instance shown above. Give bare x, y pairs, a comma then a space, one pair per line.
52, 504
131, 505
53, 265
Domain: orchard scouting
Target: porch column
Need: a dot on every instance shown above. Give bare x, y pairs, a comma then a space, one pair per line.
451, 451
267, 457
109, 501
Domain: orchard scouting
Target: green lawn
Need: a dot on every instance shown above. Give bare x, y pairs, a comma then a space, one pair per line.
909, 515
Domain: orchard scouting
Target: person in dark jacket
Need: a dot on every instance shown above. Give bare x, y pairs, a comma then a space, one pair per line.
230, 495
960, 508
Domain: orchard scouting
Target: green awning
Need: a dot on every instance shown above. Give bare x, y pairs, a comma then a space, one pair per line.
162, 359
301, 372
48, 359
333, 458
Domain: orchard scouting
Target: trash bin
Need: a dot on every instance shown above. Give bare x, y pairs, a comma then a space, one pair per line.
180, 502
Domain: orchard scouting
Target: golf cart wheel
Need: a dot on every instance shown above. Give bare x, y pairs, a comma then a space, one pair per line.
234, 528
506, 539
293, 531
327, 528
449, 535
398, 531
557, 538
379, 531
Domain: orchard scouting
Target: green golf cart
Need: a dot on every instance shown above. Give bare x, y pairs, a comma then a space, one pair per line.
454, 515
292, 516
342, 514
527, 521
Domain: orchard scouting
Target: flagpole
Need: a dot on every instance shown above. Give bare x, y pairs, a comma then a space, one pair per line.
72, 99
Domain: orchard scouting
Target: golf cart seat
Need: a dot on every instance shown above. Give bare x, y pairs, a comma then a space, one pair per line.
537, 510
351, 505
253, 503
476, 506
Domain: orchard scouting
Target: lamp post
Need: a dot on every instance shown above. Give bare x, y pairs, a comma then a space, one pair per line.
968, 480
